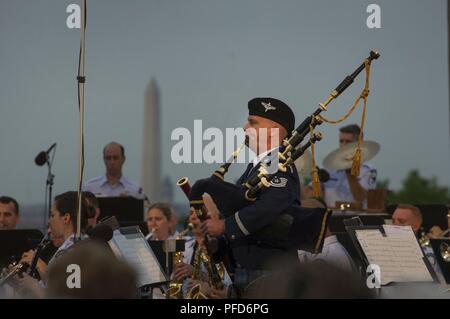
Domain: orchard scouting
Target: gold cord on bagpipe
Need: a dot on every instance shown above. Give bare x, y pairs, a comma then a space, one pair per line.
363, 96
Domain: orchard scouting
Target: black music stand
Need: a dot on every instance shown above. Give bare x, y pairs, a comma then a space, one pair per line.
345, 240
14, 242
337, 221
129, 211
351, 230
129, 243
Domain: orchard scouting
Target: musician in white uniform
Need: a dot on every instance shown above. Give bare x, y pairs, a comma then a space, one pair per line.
410, 215
342, 186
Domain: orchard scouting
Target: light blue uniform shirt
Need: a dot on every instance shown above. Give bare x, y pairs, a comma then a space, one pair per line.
338, 189
100, 186
332, 252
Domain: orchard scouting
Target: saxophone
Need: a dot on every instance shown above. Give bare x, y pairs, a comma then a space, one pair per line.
175, 290
202, 258
195, 291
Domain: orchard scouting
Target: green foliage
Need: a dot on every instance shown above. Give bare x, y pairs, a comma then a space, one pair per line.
417, 190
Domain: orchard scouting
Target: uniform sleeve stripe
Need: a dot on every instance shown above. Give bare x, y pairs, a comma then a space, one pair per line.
240, 225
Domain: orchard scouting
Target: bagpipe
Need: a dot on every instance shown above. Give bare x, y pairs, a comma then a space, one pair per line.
296, 227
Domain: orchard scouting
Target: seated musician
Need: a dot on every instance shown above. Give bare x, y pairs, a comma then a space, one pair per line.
410, 215
160, 222
62, 224
341, 185
9, 213
92, 211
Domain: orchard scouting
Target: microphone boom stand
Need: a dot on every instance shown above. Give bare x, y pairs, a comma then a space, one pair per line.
49, 189
81, 79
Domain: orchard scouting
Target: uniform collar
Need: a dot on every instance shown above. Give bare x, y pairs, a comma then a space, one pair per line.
67, 243
104, 180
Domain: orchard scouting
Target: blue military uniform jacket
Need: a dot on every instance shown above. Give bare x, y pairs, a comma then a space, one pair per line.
251, 251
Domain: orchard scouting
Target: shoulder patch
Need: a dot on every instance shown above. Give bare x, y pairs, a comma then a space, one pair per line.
372, 176
278, 182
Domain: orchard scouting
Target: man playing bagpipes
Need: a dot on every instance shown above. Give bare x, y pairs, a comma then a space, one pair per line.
269, 122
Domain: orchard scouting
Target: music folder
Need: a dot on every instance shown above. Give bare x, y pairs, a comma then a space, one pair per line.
128, 210
129, 243
395, 250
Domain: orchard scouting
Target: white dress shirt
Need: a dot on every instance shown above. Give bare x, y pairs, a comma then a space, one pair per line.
332, 252
100, 186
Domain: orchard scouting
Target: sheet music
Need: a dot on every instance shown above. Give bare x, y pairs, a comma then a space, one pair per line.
397, 254
136, 251
392, 230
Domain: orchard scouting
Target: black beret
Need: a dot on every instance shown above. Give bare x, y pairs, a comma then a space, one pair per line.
274, 110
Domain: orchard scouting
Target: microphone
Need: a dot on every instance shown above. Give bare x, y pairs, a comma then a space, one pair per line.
100, 233
42, 157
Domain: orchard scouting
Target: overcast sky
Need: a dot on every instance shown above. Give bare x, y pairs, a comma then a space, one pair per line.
209, 58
